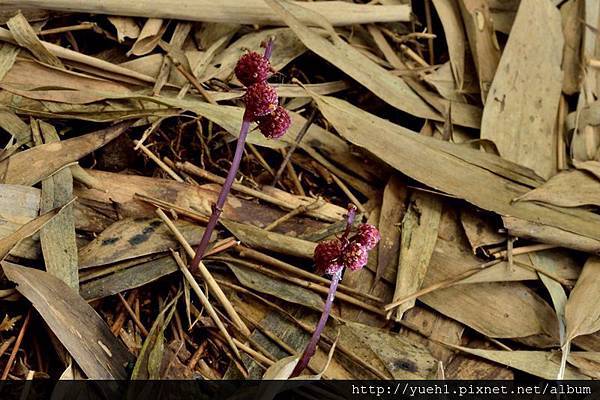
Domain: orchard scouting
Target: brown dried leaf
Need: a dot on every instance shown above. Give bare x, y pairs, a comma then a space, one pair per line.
454, 169
419, 235
130, 238
75, 323
31, 166
26, 37
582, 313
571, 188
520, 112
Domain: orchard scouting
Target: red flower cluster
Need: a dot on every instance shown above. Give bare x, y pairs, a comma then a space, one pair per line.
262, 105
331, 256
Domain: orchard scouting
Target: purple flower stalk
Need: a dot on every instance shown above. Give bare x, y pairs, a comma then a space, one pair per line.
331, 257
252, 71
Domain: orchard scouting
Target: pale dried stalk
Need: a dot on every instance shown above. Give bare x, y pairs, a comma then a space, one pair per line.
227, 11
205, 303
206, 275
289, 268
80, 58
158, 161
197, 171
441, 285
296, 211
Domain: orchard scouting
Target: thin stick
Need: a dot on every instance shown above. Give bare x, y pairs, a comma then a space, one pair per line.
274, 262
171, 206
253, 353
293, 176
197, 171
524, 250
206, 275
296, 211
429, 30
348, 193
17, 345
204, 300
80, 27
158, 161
133, 315
441, 285
260, 159
294, 145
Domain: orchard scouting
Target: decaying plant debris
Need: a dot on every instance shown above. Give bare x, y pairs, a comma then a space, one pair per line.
467, 131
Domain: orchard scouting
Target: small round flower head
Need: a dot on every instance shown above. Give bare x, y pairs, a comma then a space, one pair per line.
327, 257
252, 68
274, 125
368, 236
261, 99
355, 256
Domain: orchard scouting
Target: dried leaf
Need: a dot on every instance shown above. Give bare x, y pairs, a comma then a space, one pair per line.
482, 40
7, 243
450, 16
149, 362
78, 327
57, 238
282, 369
31, 166
520, 113
537, 363
452, 168
277, 288
582, 312
389, 88
121, 280
252, 236
26, 37
571, 14
126, 27
572, 188
149, 37
131, 238
392, 209
419, 235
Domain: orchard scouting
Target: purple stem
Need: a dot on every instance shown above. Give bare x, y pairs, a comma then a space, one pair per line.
226, 188
310, 349
314, 340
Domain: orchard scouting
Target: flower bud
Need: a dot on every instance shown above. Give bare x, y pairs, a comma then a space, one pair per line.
368, 236
261, 99
355, 256
252, 68
274, 125
327, 257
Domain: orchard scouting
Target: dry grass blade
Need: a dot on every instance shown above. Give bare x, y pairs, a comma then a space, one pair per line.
582, 314
453, 169
520, 114
419, 235
205, 303
31, 166
78, 327
27, 38
7, 243
391, 89
57, 238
